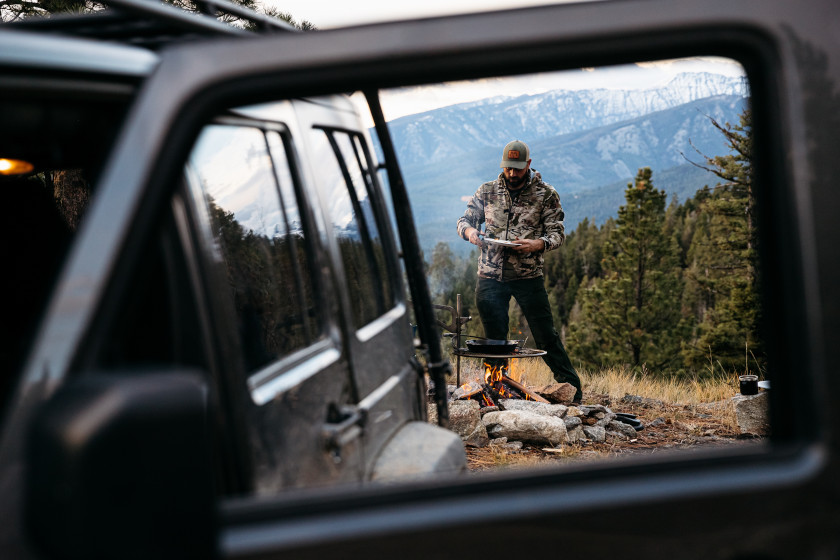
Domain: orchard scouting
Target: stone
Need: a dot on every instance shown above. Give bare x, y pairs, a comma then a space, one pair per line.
751, 414
572, 422
418, 451
561, 393
465, 420
575, 434
511, 446
498, 441
657, 422
525, 426
574, 411
636, 399
595, 433
615, 436
605, 421
622, 428
546, 409
487, 409
594, 409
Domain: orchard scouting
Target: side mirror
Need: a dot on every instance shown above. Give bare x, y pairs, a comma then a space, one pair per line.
120, 466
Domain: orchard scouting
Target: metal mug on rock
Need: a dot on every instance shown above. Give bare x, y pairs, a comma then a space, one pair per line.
749, 384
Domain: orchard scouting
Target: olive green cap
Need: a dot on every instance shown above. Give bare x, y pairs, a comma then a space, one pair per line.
516, 155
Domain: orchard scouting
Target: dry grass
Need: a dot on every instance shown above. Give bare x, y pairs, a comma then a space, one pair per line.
619, 381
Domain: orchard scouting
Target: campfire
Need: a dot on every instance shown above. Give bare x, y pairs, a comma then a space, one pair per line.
497, 385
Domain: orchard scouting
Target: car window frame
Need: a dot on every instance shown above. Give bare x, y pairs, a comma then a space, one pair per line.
576, 40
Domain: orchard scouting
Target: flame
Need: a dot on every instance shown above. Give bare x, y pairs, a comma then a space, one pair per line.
516, 370
494, 377
494, 374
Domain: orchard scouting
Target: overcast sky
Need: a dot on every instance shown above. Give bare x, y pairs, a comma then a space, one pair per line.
326, 14
336, 13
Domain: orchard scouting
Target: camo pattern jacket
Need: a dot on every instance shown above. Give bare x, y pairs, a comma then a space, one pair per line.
535, 214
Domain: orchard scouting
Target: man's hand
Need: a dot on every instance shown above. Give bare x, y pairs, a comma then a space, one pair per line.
474, 237
529, 245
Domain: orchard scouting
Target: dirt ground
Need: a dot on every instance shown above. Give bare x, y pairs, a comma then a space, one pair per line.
667, 427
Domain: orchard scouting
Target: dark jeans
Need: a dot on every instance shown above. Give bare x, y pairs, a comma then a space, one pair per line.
492, 299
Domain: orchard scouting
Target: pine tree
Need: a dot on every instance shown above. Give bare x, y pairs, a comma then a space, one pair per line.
721, 276
632, 314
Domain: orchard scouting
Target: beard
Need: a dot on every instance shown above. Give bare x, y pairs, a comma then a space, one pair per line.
517, 182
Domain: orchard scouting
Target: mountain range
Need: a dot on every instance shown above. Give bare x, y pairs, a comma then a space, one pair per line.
588, 144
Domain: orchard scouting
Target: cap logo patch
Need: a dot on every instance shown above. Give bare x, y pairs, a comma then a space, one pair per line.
513, 154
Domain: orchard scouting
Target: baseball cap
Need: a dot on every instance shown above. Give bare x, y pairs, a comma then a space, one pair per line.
516, 154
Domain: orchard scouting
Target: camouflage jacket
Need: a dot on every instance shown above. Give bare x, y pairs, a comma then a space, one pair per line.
535, 214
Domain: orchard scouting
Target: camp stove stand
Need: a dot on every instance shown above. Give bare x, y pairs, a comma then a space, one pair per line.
454, 330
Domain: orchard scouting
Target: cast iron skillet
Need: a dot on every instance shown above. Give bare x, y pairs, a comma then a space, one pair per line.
492, 346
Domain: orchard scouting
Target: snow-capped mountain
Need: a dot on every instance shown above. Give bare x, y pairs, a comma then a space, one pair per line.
459, 129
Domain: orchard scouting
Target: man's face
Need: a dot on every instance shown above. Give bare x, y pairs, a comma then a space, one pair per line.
516, 177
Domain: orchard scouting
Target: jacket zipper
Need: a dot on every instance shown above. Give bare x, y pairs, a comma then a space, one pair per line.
507, 231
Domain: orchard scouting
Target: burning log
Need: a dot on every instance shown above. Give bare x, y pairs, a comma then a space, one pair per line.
497, 385
467, 391
520, 387
490, 395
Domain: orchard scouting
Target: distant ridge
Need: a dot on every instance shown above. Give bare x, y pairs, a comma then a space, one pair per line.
465, 127
588, 144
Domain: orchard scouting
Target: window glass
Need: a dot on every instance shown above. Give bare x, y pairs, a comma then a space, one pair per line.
346, 174
656, 287
261, 239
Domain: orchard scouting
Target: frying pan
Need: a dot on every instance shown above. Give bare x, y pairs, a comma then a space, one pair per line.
492, 346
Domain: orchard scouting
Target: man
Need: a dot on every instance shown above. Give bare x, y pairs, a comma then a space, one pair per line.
518, 207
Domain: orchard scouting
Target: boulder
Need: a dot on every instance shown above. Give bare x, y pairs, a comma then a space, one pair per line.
525, 426
612, 436
605, 419
465, 420
545, 409
572, 422
561, 393
751, 414
622, 428
596, 433
575, 434
510, 446
574, 411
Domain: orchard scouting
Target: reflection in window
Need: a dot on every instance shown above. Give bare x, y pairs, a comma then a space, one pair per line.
346, 173
256, 218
